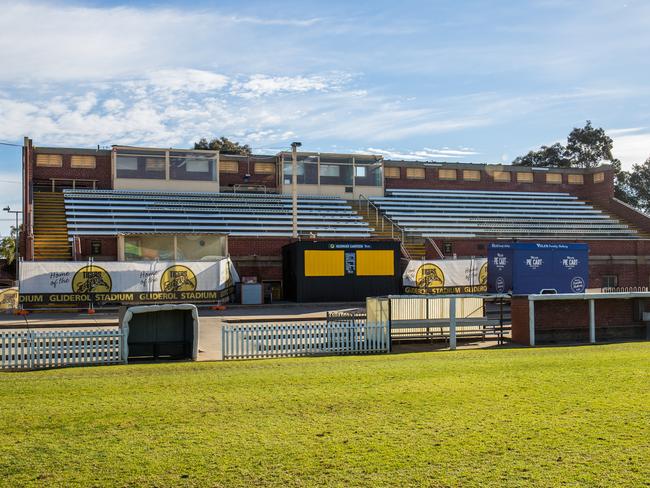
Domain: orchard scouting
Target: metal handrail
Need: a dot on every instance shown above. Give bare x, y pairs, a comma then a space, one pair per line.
393, 226
435, 247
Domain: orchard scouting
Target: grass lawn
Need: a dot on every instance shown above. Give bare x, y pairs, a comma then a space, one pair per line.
512, 417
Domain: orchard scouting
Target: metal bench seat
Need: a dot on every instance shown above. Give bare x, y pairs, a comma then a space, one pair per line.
110, 212
489, 193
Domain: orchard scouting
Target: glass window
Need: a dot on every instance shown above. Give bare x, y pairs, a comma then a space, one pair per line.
200, 247
306, 170
447, 174
524, 177
471, 175
369, 174
331, 170
77, 161
336, 170
576, 179
610, 281
126, 163
392, 172
142, 163
599, 177
148, 248
192, 166
228, 167
554, 178
415, 173
502, 176
49, 160
264, 168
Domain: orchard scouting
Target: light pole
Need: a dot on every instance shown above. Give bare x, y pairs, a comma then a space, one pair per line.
294, 188
17, 244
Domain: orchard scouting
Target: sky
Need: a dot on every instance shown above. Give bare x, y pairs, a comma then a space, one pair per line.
471, 81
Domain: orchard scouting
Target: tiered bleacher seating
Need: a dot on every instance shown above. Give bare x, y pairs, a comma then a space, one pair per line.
111, 212
498, 214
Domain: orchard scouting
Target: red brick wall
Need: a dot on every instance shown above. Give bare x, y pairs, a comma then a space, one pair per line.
108, 248
432, 182
101, 173
568, 320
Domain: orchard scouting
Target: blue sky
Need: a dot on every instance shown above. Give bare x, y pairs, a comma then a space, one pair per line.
451, 81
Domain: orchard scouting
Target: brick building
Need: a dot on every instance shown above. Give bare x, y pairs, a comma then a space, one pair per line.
82, 203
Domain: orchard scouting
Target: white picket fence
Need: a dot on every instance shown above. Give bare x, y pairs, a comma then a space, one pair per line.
25, 350
268, 340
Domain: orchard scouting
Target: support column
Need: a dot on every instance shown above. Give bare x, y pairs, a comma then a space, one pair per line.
531, 322
452, 324
592, 321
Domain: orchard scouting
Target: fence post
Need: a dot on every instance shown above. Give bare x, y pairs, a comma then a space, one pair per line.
592, 321
452, 324
531, 321
125, 344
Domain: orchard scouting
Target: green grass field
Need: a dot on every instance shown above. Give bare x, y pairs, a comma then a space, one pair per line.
512, 417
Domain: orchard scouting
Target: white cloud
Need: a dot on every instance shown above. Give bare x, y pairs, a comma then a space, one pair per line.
425, 154
632, 147
190, 80
261, 85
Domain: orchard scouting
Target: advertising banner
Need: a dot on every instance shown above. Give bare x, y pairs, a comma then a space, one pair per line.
526, 268
445, 276
57, 282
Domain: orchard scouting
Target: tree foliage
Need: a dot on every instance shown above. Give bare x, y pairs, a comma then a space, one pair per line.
586, 147
223, 145
8, 246
637, 184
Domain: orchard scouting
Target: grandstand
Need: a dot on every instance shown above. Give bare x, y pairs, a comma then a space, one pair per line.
498, 215
112, 212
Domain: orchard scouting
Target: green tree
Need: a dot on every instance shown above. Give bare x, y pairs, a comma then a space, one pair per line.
586, 147
8, 246
223, 145
637, 183
553, 156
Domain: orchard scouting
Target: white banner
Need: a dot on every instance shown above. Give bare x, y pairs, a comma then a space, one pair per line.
125, 281
446, 276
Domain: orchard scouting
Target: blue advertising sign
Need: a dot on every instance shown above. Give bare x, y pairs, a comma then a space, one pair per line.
534, 267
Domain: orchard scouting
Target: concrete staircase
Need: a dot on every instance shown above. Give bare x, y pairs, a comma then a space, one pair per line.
50, 228
385, 229
643, 234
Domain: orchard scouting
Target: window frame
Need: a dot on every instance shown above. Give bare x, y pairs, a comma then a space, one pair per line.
502, 176
549, 177
466, 172
262, 168
529, 177
229, 167
78, 165
410, 173
447, 172
395, 170
59, 158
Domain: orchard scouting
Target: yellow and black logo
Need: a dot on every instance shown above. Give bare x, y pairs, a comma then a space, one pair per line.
178, 278
91, 279
429, 276
482, 275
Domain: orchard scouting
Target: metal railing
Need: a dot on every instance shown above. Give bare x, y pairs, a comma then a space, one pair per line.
435, 247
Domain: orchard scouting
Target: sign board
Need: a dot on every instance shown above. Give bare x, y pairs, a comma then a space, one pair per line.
526, 268
50, 282
445, 276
